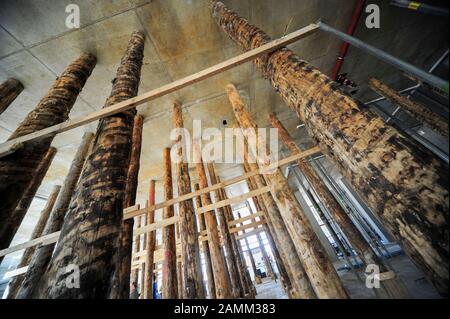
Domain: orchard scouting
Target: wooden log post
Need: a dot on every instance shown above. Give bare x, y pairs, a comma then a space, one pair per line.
120, 287
91, 231
368, 256
151, 245
9, 90
137, 248
205, 248
264, 254
321, 273
169, 270
280, 258
222, 285
16, 282
179, 264
236, 286
418, 111
404, 184
246, 282
301, 286
10, 227
43, 254
17, 170
250, 255
192, 273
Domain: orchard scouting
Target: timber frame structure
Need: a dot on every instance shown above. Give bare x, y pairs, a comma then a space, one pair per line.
305, 269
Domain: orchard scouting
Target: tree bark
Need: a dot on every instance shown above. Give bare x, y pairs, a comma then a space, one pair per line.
151, 243
17, 170
249, 253
205, 248
368, 256
90, 234
120, 286
247, 283
301, 285
9, 90
223, 289
192, 273
16, 282
280, 257
169, 270
9, 228
418, 111
43, 254
321, 273
404, 184
236, 286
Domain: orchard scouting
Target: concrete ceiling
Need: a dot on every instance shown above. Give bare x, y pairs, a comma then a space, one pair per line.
182, 38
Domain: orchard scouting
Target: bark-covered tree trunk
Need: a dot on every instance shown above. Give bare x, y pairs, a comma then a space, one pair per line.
420, 112
279, 255
9, 228
43, 254
223, 288
16, 282
120, 285
319, 268
17, 170
205, 248
90, 235
192, 273
405, 184
393, 286
169, 269
249, 253
301, 285
250, 290
151, 243
226, 237
9, 90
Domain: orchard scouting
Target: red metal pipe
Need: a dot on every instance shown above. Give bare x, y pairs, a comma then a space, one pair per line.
350, 30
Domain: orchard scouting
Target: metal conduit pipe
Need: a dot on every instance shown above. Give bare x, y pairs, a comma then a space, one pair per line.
421, 7
388, 58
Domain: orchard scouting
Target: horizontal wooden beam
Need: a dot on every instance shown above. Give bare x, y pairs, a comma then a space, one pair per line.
243, 219
250, 233
132, 212
5, 148
233, 200
247, 226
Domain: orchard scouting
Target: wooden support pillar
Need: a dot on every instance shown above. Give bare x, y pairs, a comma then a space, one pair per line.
137, 248
246, 282
222, 285
321, 273
264, 254
192, 273
250, 255
279, 249
91, 230
17, 170
43, 254
180, 288
169, 280
368, 256
418, 111
16, 282
10, 227
120, 288
9, 90
151, 243
403, 183
205, 248
236, 286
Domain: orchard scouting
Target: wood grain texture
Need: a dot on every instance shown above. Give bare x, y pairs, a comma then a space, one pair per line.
321, 273
192, 275
43, 254
151, 244
403, 183
17, 170
9, 90
90, 235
